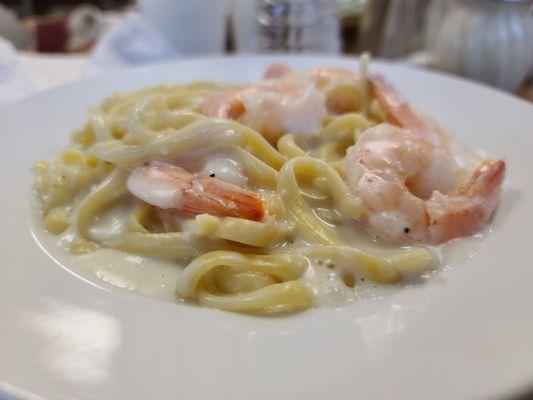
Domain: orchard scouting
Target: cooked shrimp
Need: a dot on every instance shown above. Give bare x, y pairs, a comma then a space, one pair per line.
276, 71
228, 104
407, 185
321, 76
399, 113
326, 76
272, 107
172, 188
284, 101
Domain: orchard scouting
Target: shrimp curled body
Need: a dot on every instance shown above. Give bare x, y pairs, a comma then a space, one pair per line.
408, 187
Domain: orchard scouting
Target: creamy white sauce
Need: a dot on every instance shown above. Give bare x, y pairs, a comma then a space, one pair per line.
110, 224
150, 276
158, 277
224, 168
331, 291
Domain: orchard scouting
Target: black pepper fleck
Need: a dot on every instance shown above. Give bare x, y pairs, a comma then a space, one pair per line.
212, 175
406, 230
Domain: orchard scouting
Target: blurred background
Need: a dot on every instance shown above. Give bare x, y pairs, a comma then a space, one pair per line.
44, 43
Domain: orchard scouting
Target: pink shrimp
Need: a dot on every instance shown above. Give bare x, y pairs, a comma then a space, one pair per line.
405, 175
276, 71
325, 76
283, 101
471, 207
407, 185
399, 113
172, 188
321, 76
227, 104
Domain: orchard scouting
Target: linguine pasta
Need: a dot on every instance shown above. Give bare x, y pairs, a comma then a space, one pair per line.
231, 263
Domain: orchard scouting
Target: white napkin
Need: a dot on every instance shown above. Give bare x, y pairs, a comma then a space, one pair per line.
130, 42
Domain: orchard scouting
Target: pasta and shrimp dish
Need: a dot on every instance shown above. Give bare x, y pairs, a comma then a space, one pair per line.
263, 198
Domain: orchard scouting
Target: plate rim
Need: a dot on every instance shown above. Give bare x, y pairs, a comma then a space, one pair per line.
6, 108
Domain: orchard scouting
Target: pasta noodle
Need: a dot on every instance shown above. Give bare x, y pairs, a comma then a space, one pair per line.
280, 294
227, 262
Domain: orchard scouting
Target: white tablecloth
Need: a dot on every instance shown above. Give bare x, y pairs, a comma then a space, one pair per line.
129, 42
29, 73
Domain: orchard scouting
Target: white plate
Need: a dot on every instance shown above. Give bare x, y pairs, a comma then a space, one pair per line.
466, 334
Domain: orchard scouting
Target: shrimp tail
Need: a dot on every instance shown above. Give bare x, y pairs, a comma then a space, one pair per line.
172, 188
471, 208
394, 106
486, 180
214, 197
400, 113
